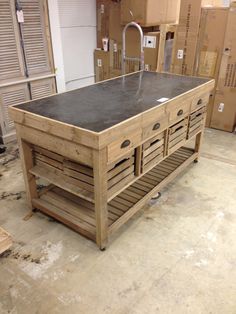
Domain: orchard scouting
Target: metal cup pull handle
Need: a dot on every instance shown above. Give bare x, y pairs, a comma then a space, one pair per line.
180, 112
156, 126
199, 102
126, 143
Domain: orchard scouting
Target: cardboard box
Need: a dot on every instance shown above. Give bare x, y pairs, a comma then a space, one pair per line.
149, 12
224, 111
186, 37
210, 41
101, 65
210, 47
108, 21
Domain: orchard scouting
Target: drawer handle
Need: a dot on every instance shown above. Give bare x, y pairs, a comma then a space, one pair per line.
156, 126
126, 143
199, 102
180, 112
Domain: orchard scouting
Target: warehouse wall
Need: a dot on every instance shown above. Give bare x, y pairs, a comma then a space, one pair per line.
73, 27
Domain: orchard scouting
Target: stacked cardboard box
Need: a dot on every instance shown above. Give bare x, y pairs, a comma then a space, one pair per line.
149, 12
210, 46
109, 25
224, 110
203, 35
186, 37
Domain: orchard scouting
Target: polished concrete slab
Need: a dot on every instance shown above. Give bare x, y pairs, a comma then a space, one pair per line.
178, 255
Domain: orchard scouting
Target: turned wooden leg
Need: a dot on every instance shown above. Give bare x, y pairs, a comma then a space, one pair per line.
100, 194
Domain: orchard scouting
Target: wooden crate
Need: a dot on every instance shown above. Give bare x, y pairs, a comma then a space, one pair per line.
153, 151
78, 178
177, 135
120, 173
62, 172
196, 122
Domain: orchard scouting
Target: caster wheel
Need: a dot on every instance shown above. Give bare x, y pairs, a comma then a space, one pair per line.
196, 161
155, 197
103, 249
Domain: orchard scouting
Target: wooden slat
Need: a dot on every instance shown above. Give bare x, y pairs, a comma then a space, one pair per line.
120, 185
120, 167
153, 162
180, 133
111, 165
41, 158
153, 155
140, 186
173, 128
57, 178
153, 147
119, 177
118, 205
79, 176
136, 190
48, 153
172, 149
148, 143
78, 167
68, 219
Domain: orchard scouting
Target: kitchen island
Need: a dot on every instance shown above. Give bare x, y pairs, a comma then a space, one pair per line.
106, 149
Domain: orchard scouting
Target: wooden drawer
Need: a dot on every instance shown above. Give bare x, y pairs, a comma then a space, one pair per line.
178, 111
123, 145
155, 127
153, 151
199, 102
120, 173
177, 135
196, 122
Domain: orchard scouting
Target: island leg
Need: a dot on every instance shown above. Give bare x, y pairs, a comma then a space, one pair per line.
198, 143
27, 163
100, 195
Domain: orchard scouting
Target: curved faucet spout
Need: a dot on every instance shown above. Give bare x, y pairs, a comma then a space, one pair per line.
124, 57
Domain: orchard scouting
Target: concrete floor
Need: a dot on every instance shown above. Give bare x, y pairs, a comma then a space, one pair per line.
178, 255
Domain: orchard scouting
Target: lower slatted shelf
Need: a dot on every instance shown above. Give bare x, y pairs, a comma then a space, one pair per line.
79, 214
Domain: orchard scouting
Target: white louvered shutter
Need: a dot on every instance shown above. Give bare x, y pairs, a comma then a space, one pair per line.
34, 35
11, 61
43, 88
9, 96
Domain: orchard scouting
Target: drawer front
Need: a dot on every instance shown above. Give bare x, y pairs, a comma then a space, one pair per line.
196, 122
153, 151
121, 173
199, 102
123, 145
155, 127
178, 111
177, 135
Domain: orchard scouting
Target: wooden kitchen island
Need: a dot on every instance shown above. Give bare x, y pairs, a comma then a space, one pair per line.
106, 149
